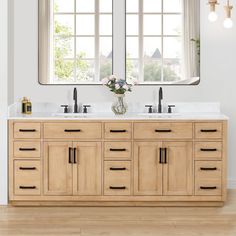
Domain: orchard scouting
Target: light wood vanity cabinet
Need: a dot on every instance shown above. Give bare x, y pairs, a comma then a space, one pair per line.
117, 162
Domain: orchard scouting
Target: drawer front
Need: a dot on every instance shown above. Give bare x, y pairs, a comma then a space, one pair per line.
26, 149
163, 131
208, 176
208, 130
118, 131
27, 177
73, 130
205, 187
117, 178
208, 170
117, 150
208, 150
26, 130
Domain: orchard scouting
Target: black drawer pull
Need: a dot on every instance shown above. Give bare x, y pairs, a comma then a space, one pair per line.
118, 131
27, 130
27, 168
27, 149
117, 188
27, 187
208, 168
163, 130
117, 150
208, 130
208, 149
208, 188
72, 130
118, 168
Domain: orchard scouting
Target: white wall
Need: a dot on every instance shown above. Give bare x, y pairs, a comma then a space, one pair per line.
218, 69
3, 99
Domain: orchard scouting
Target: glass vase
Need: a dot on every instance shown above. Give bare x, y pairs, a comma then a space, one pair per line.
119, 106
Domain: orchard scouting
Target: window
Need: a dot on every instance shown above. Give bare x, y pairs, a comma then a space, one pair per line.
79, 41
153, 40
161, 43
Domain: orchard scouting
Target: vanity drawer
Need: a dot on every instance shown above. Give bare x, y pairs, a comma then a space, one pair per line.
117, 178
205, 187
208, 176
118, 130
208, 130
163, 131
208, 150
117, 150
73, 130
26, 149
26, 177
208, 170
26, 130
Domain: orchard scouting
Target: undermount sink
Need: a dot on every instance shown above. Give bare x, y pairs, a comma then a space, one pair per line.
71, 115
159, 115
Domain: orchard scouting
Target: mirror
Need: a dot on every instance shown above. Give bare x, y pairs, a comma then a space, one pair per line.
163, 41
75, 41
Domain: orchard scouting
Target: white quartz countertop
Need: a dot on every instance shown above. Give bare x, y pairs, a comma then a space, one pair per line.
99, 111
110, 116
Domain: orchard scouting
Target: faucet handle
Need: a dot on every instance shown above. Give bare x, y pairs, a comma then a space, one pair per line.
85, 108
66, 110
170, 108
150, 108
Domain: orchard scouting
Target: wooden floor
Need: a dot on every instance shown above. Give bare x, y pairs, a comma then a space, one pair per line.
106, 221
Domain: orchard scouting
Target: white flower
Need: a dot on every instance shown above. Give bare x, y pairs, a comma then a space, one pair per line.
105, 81
134, 81
112, 77
117, 86
126, 87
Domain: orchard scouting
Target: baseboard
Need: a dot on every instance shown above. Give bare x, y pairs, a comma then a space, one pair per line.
232, 184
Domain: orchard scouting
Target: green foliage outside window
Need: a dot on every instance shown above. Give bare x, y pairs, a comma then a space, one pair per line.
64, 69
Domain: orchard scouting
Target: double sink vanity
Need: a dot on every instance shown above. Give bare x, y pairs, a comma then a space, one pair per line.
133, 160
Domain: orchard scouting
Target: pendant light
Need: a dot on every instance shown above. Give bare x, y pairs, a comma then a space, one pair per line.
228, 23
212, 15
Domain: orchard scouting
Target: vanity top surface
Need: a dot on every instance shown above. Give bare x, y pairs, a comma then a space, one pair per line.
110, 116
102, 111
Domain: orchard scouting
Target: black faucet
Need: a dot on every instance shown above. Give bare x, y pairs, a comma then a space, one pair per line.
75, 98
160, 98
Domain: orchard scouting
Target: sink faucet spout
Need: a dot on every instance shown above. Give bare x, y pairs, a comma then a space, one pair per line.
75, 98
160, 99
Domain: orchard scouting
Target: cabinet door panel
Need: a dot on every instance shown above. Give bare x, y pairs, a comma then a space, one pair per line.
57, 169
87, 172
178, 171
147, 169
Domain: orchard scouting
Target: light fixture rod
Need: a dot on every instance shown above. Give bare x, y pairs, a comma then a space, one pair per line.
228, 9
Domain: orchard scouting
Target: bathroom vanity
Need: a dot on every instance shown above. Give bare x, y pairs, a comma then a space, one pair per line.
120, 161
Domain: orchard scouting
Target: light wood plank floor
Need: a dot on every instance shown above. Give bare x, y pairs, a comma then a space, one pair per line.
120, 221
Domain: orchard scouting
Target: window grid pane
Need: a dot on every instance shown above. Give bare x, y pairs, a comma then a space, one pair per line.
156, 62
82, 52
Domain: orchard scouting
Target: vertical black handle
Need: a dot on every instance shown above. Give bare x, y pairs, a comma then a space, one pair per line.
75, 162
70, 149
160, 155
165, 155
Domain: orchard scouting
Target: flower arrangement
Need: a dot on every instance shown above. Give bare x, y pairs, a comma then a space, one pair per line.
117, 85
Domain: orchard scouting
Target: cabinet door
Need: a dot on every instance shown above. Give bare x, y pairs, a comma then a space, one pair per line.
178, 170
57, 169
147, 168
87, 170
